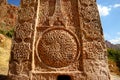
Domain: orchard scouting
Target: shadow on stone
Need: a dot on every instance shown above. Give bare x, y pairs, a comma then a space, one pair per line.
3, 77
63, 77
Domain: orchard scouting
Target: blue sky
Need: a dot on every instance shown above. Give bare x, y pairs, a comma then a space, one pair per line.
110, 17
15, 2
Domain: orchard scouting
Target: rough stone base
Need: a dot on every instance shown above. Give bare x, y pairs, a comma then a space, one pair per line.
57, 76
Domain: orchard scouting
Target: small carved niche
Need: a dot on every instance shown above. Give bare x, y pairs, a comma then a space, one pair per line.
64, 77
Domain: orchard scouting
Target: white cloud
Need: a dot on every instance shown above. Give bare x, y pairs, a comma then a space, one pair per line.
104, 10
115, 41
118, 33
116, 5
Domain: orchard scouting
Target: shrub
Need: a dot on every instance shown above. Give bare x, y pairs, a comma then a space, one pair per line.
7, 33
115, 56
10, 33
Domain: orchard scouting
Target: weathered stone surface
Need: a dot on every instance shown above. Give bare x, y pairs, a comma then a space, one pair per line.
3, 2
8, 15
57, 39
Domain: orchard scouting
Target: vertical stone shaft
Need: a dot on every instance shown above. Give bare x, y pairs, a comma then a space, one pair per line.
20, 63
94, 50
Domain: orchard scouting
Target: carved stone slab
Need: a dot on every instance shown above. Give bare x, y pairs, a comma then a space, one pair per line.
58, 40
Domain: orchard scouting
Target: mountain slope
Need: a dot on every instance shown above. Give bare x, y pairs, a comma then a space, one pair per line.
112, 46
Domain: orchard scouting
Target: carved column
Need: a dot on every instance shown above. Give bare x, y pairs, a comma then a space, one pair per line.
94, 50
20, 63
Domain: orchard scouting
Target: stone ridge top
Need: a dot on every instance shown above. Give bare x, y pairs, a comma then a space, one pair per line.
3, 2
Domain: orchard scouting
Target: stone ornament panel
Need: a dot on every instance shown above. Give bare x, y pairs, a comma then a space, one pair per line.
24, 30
23, 13
57, 47
21, 52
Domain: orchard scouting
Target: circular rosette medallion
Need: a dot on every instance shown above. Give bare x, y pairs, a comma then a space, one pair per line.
57, 47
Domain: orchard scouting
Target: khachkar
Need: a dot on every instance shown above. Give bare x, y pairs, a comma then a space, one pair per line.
56, 39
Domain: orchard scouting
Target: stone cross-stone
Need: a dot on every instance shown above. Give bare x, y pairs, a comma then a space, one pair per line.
58, 40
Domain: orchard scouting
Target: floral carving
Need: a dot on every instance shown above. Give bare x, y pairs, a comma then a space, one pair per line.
57, 48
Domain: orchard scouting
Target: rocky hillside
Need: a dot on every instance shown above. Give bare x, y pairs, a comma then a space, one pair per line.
118, 46
112, 46
8, 15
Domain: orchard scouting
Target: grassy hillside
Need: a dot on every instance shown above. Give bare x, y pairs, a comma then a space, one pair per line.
5, 46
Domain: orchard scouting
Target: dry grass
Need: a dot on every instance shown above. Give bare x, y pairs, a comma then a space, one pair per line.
5, 48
